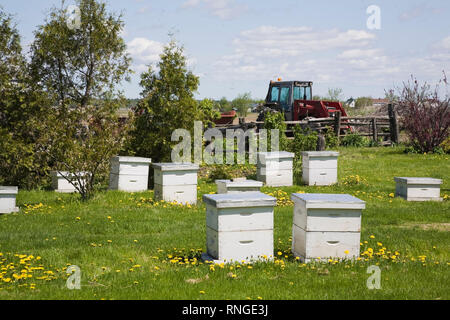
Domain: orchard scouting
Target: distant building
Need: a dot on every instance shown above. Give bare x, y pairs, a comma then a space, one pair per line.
351, 103
380, 102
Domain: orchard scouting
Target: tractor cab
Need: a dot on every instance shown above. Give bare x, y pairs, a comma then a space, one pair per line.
282, 94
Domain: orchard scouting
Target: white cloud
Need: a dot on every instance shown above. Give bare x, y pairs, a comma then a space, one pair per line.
328, 57
294, 41
443, 44
223, 9
419, 11
144, 52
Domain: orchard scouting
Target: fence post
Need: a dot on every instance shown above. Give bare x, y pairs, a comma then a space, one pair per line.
374, 130
337, 124
393, 123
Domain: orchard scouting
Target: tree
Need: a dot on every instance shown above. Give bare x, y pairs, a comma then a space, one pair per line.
81, 68
224, 105
168, 104
22, 109
334, 94
425, 114
242, 103
82, 63
362, 102
208, 112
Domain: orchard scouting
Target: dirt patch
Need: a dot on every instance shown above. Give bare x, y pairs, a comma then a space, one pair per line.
428, 226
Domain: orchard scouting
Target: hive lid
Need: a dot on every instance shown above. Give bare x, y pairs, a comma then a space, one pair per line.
62, 174
320, 154
240, 183
240, 200
176, 166
131, 159
328, 201
275, 155
9, 190
415, 180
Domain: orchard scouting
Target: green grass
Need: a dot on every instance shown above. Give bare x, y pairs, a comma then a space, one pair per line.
118, 231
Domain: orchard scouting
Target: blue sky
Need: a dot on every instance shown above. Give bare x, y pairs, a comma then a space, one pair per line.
238, 46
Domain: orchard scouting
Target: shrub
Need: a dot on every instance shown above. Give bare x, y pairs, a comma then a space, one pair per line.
446, 145
304, 140
274, 121
207, 112
354, 140
220, 172
424, 114
331, 139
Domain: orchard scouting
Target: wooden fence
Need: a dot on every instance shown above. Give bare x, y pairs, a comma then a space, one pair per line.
375, 127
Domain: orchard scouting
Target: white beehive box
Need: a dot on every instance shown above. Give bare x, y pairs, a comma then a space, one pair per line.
176, 182
418, 189
239, 227
62, 185
275, 169
129, 174
238, 185
320, 168
8, 199
326, 226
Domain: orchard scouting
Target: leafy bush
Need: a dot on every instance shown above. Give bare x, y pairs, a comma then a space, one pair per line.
354, 140
220, 172
274, 121
331, 140
207, 112
446, 145
304, 140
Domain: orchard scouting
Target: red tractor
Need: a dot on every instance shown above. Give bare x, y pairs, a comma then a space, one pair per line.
294, 99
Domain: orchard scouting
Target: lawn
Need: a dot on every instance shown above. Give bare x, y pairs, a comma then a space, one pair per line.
129, 247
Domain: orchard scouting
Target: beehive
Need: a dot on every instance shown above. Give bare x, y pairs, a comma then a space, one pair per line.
238, 185
62, 185
320, 168
275, 169
176, 182
8, 199
326, 226
129, 174
239, 226
418, 189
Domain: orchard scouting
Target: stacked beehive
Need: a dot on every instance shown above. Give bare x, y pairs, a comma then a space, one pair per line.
275, 169
239, 226
8, 199
320, 167
176, 182
418, 189
61, 184
129, 174
238, 185
326, 226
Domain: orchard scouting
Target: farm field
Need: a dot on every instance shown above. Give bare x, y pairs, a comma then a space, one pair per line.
129, 247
